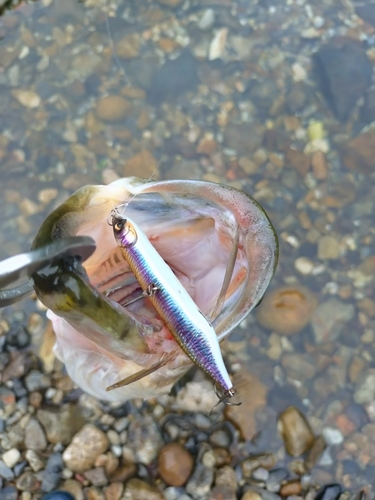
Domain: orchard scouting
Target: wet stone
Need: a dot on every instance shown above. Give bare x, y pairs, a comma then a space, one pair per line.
200, 482
329, 492
35, 462
144, 439
60, 425
136, 489
28, 482
35, 438
226, 476
243, 138
52, 473
291, 488
365, 388
96, 476
36, 380
11, 457
85, 447
264, 460
112, 108
174, 78
9, 493
329, 319
114, 491
222, 493
287, 310
175, 464
358, 154
5, 471
142, 164
295, 432
344, 73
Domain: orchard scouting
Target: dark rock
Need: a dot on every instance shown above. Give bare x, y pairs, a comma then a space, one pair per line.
344, 73
329, 492
367, 13
243, 138
200, 482
263, 94
174, 78
52, 472
9, 493
367, 111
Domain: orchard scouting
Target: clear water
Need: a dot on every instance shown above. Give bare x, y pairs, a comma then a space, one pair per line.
58, 59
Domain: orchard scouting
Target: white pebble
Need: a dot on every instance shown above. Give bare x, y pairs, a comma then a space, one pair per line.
304, 265
332, 435
11, 457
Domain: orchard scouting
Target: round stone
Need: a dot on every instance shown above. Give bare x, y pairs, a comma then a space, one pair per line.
175, 464
112, 108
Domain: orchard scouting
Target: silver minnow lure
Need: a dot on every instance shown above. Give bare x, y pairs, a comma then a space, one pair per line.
188, 325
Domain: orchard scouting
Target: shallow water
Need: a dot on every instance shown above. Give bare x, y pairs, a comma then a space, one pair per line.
229, 92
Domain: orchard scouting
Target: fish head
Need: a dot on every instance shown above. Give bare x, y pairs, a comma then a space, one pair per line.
192, 225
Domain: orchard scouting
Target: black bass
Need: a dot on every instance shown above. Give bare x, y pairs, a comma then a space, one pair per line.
190, 224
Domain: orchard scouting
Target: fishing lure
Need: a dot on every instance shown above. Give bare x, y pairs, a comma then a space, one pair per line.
188, 325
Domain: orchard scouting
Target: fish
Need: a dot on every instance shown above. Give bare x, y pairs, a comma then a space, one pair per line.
191, 225
188, 325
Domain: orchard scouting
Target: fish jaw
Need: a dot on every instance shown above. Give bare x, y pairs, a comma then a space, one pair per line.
186, 221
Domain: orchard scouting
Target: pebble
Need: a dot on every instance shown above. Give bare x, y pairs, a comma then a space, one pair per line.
53, 472
129, 46
344, 73
9, 493
85, 447
200, 482
295, 432
251, 495
329, 492
60, 425
287, 310
5, 471
329, 319
27, 98
136, 489
328, 248
142, 164
358, 154
304, 265
11, 457
319, 165
96, 476
35, 438
291, 488
35, 462
112, 108
264, 460
175, 464
144, 439
365, 388
114, 491
28, 482
74, 487
197, 397
226, 476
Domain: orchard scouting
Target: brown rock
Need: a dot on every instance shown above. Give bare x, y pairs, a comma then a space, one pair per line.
142, 164
96, 476
86, 445
291, 488
251, 495
28, 482
319, 165
129, 46
136, 489
295, 431
298, 160
112, 108
359, 153
74, 487
124, 472
60, 425
328, 248
207, 145
114, 491
175, 464
27, 98
252, 392
168, 45
287, 310
264, 460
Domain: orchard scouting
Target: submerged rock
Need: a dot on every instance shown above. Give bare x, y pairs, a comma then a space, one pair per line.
344, 73
295, 432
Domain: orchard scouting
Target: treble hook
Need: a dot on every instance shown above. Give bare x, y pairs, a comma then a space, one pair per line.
225, 398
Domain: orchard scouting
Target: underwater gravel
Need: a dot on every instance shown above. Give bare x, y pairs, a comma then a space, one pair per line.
260, 103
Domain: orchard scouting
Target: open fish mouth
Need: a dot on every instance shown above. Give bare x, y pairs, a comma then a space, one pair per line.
102, 334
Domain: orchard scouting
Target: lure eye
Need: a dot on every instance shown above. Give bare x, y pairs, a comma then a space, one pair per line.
119, 225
